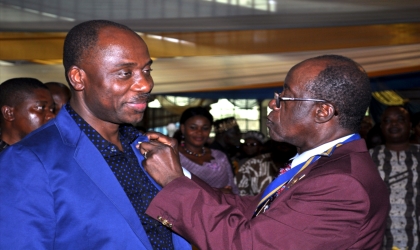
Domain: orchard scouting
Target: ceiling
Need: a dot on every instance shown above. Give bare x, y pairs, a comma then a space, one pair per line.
212, 45
204, 15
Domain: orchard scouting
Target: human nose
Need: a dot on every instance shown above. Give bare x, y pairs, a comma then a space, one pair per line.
200, 132
397, 122
144, 85
272, 104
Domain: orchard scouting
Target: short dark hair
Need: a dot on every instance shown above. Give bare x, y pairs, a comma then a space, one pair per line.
82, 38
59, 85
195, 111
346, 85
15, 90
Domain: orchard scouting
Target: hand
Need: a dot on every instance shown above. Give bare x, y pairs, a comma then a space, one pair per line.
155, 136
162, 158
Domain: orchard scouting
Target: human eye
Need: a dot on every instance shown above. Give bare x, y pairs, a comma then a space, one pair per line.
39, 108
126, 73
193, 127
147, 71
206, 128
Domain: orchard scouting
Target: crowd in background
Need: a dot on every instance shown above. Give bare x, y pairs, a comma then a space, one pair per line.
224, 162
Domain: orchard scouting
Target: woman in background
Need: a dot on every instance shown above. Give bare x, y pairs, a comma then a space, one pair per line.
210, 165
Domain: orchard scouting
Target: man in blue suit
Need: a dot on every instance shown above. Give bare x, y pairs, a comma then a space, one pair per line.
78, 182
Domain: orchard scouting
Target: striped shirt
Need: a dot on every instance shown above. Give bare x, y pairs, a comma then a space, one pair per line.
400, 172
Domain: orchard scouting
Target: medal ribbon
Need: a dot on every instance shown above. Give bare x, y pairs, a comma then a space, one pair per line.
283, 179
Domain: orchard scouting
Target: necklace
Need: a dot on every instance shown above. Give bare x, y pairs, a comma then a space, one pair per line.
195, 154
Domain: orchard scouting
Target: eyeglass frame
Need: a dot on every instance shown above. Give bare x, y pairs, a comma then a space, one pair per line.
279, 99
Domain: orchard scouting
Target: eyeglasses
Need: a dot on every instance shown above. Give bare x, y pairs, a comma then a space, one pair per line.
251, 144
283, 99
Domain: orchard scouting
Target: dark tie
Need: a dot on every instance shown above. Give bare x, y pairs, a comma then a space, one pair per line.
279, 184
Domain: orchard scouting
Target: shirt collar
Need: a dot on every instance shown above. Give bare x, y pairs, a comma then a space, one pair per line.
127, 131
300, 158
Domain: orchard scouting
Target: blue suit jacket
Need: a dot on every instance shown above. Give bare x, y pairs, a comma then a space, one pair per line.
57, 192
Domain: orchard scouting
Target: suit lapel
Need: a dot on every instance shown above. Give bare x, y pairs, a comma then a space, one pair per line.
95, 166
354, 146
140, 158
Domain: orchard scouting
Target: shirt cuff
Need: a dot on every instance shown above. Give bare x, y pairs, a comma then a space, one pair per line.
186, 173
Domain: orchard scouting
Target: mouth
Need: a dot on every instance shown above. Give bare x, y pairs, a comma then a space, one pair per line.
269, 123
139, 103
139, 107
394, 130
199, 140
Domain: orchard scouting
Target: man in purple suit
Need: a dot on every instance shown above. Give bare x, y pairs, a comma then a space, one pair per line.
331, 197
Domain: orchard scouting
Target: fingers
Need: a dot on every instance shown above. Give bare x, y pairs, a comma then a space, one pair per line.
160, 161
155, 136
147, 149
158, 137
152, 135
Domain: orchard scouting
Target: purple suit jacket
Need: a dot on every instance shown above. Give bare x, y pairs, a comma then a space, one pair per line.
340, 203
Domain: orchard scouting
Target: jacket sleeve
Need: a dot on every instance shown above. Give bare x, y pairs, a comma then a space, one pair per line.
327, 216
26, 202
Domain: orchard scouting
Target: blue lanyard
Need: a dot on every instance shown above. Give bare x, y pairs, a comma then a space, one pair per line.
281, 180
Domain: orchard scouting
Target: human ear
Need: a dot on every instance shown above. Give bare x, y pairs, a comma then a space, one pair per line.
324, 112
8, 113
76, 77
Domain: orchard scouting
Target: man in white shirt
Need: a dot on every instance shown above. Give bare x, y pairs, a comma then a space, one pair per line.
398, 164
